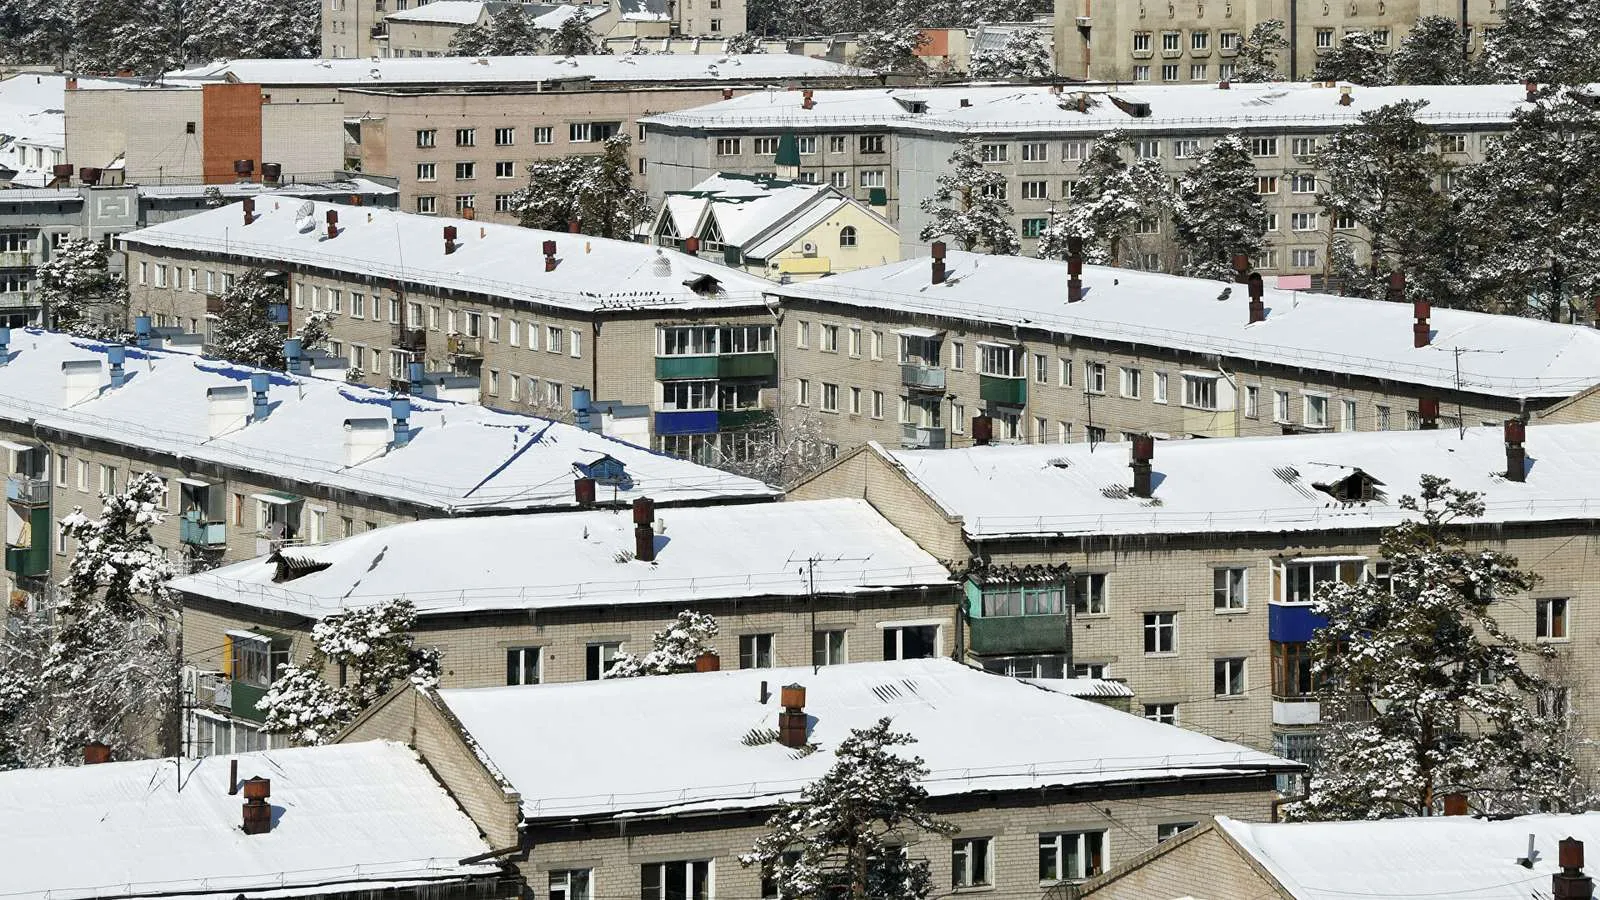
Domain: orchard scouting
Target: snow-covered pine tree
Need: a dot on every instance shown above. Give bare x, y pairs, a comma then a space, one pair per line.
1259, 53
892, 50
1550, 41
609, 205
1110, 200
844, 838
374, 650
245, 332
79, 295
24, 733
1452, 709
1358, 58
672, 650
574, 38
550, 199
1217, 213
1434, 52
315, 331
744, 42
969, 206
1022, 56
507, 33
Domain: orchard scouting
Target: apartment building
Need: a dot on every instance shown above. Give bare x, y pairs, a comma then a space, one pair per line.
255, 461
898, 141
427, 30
1045, 788
1189, 572
824, 582
1190, 40
677, 351
908, 353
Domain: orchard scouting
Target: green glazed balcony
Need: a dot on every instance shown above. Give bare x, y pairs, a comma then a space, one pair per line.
1018, 634
1007, 391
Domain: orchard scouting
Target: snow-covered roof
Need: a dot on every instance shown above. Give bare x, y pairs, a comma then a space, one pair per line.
591, 274
758, 214
1507, 356
33, 113
462, 458
1020, 109
705, 553
350, 817
677, 743
442, 12
1264, 484
333, 188
447, 70
1442, 856
554, 17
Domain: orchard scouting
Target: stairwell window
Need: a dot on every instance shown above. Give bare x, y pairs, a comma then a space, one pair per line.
1089, 593
1228, 677
969, 862
1551, 619
1071, 856
828, 648
1160, 633
1230, 589
522, 665
571, 884
688, 880
755, 651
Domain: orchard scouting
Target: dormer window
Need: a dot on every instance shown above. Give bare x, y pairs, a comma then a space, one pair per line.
1357, 487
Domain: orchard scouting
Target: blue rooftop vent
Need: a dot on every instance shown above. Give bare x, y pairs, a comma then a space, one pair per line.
291, 356
118, 357
580, 409
141, 331
258, 390
414, 375
5, 346
400, 409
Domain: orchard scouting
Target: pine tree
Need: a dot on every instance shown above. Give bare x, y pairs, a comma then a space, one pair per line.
1453, 708
1358, 58
1549, 41
595, 191
673, 649
78, 293
892, 51
1434, 52
508, 33
1217, 213
1258, 54
574, 38
844, 838
1110, 200
1022, 56
245, 332
550, 200
967, 205
373, 650
744, 42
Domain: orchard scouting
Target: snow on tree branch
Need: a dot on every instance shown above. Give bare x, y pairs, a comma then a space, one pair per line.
673, 649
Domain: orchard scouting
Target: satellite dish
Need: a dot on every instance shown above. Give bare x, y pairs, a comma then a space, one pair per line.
661, 267
306, 210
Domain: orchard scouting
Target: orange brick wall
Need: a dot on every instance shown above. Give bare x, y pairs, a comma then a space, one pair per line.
232, 130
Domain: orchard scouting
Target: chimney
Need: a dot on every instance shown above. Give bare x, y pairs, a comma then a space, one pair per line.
118, 357
1455, 804
938, 262
549, 256
708, 662
644, 529
95, 753
400, 412
1241, 268
792, 720
1570, 883
271, 173
1258, 306
364, 438
5, 346
583, 492
691, 246
333, 224
259, 408
727, 93
244, 168
573, 225
61, 175
1420, 332
469, 213
1516, 454
1344, 96
141, 331
355, 199
1074, 269
1397, 287
414, 377
1531, 89
965, 103
1144, 450
291, 355
72, 82
80, 380
89, 175
233, 777
249, 210
1428, 413
257, 811
227, 408
805, 99
582, 410
1224, 85
982, 431
449, 239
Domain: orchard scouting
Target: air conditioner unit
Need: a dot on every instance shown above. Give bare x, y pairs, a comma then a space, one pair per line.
809, 248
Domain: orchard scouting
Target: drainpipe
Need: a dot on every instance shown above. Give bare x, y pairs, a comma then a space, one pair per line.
1294, 39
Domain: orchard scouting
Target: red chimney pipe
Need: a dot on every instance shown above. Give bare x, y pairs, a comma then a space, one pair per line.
573, 225
727, 93
355, 199
1397, 286
982, 431
691, 245
1421, 334
644, 511
95, 753
1428, 413
938, 262
792, 720
1258, 306
249, 210
1570, 883
1241, 268
583, 492
1223, 85
644, 543
449, 239
549, 256
708, 662
333, 223
1516, 432
1074, 269
1531, 88
1455, 804
805, 99
257, 811
1144, 450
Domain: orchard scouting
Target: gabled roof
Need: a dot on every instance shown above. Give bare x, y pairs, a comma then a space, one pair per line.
442, 12
462, 458
695, 742
351, 817
1262, 484
761, 216
585, 559
1506, 356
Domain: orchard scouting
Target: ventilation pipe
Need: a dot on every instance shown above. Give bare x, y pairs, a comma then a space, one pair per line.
1144, 450
1258, 306
271, 173
1397, 287
549, 256
400, 411
582, 416
1570, 883
691, 246
1241, 268
583, 492
469, 213
792, 720
257, 811
260, 408
806, 101
1224, 85
1428, 413
291, 355
938, 262
727, 93
982, 431
1421, 334
1455, 804
244, 168
333, 224
1516, 454
1074, 269
95, 753
708, 661
141, 332
233, 777
249, 206
644, 529
1530, 90
5, 345
414, 377
118, 357
227, 408
80, 380
449, 239
573, 225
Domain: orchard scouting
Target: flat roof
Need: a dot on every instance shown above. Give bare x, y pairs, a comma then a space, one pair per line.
448, 70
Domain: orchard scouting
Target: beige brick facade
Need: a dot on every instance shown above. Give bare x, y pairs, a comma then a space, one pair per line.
1201, 863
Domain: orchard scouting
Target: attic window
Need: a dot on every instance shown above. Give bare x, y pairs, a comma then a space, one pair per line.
291, 566
1134, 108
703, 285
1357, 487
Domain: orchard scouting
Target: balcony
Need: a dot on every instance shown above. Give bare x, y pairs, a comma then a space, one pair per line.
18, 259
919, 377
739, 419
208, 535
921, 437
1018, 634
25, 491
464, 346
1003, 390
731, 365
413, 339
242, 699
30, 558
213, 689
687, 422
673, 368
213, 305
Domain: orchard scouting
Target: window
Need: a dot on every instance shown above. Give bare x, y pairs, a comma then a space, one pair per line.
1225, 71
427, 205
1303, 146
1199, 41
1160, 633
802, 334
911, 642
1316, 411
505, 170
839, 178
877, 404
505, 137
1347, 416
1094, 378
466, 171
425, 172
870, 143
969, 862
1149, 149
1303, 221
1280, 406
1199, 392
872, 178
993, 153
836, 143
1002, 360
1165, 713
1141, 42
1380, 37
1130, 382
1199, 72
1302, 580
855, 401
589, 132
571, 884
1303, 183
465, 202
108, 479
552, 338
1033, 227
1452, 143
544, 134
764, 146
689, 880
830, 397
1185, 149
682, 396
1089, 593
1072, 855
1228, 40
1266, 184
1551, 619
1228, 677
598, 659
1169, 830
1041, 368
466, 137
575, 343
994, 191
828, 648
1382, 417
1229, 589
1324, 39
1171, 41
1072, 151
802, 392
1003, 600
427, 137
522, 665
755, 651
806, 145
1141, 73
958, 355
1035, 190
830, 339
847, 238
1064, 371
1344, 221
1035, 151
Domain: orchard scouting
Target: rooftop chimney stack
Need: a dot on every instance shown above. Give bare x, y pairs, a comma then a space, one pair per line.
691, 246
1421, 334
573, 225
792, 720
5, 346
583, 492
938, 262
95, 753
1428, 413
1570, 883
400, 412
1241, 268
708, 661
1531, 88
118, 357
257, 811
1074, 269
1344, 96
1258, 306
1455, 804
271, 173
80, 380
141, 332
1224, 85
364, 439
469, 213
727, 93
449, 239
982, 431
1516, 453
227, 408
244, 168
644, 529
333, 224
549, 256
291, 356
249, 210
1144, 450
805, 99
1397, 287
233, 777
260, 408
